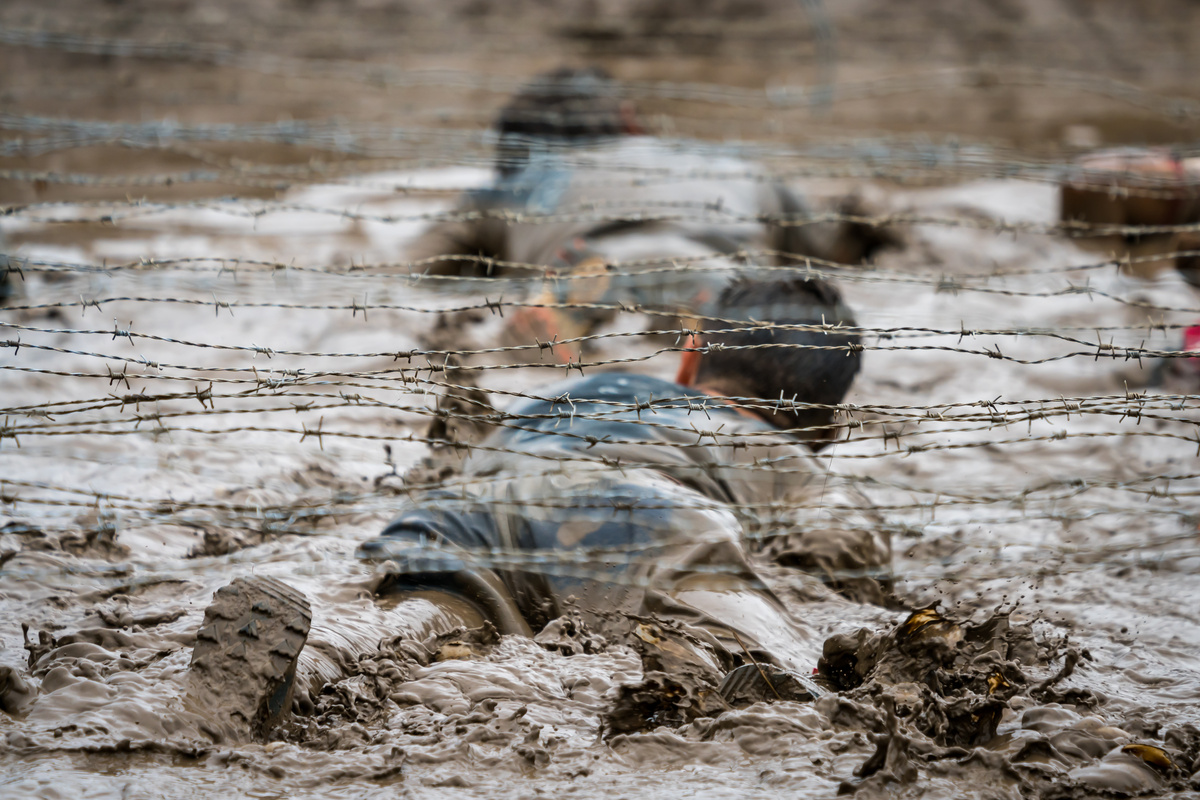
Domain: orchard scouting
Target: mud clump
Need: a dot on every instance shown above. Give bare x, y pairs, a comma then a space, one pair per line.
95, 537
38, 647
571, 635
933, 691
222, 542
460, 643
119, 614
928, 690
682, 672
660, 699
951, 681
342, 715
16, 692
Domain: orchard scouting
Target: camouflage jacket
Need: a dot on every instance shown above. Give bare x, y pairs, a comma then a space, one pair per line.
633, 478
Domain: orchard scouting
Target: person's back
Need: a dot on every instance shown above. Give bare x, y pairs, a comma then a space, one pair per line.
682, 463
620, 422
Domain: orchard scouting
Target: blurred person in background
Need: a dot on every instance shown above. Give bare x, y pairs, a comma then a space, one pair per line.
1136, 187
610, 217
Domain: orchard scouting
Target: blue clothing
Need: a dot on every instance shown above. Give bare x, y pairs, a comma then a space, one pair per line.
575, 503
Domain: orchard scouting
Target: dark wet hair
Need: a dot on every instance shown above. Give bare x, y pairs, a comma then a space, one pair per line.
801, 372
564, 106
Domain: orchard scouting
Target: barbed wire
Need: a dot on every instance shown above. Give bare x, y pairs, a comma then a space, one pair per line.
883, 160
497, 307
1060, 334
416, 271
988, 566
503, 419
534, 276
251, 380
640, 212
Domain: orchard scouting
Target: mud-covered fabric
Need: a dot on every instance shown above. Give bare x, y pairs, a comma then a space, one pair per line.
610, 492
787, 504
598, 543
599, 537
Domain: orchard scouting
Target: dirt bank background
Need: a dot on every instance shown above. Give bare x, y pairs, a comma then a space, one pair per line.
1025, 74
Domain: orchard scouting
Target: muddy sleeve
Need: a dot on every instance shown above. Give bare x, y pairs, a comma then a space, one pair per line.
788, 212
834, 533
429, 534
443, 542
584, 536
800, 515
453, 246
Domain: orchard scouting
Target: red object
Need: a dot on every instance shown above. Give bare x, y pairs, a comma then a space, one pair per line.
1189, 365
1191, 338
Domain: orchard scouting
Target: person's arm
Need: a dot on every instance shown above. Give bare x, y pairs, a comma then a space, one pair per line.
432, 544
785, 235
457, 246
844, 241
833, 533
799, 515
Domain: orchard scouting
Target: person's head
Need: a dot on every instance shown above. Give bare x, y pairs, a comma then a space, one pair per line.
757, 358
564, 106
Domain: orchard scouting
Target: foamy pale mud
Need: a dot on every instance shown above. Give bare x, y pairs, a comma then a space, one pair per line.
121, 517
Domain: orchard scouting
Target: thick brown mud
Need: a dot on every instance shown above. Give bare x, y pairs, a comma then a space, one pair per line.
1059, 662
1044, 635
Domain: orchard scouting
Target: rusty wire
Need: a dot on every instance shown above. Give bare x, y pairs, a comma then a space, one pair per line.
86, 391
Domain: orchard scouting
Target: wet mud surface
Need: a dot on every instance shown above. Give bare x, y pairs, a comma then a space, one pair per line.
1044, 637
1064, 664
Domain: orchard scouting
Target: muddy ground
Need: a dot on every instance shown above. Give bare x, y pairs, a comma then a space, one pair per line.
1022, 475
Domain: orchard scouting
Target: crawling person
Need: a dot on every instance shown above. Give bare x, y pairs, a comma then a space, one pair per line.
607, 217
629, 496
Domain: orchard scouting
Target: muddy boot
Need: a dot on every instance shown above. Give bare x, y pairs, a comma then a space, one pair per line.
16, 693
756, 683
244, 662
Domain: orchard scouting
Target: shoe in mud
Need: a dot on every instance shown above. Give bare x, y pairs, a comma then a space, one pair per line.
244, 661
16, 693
754, 683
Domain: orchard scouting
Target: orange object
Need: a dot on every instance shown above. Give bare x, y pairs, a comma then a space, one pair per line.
689, 362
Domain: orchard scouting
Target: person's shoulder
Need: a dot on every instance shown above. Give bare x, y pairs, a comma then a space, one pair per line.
614, 386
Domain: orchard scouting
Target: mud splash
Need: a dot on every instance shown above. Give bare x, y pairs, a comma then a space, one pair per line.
1087, 688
